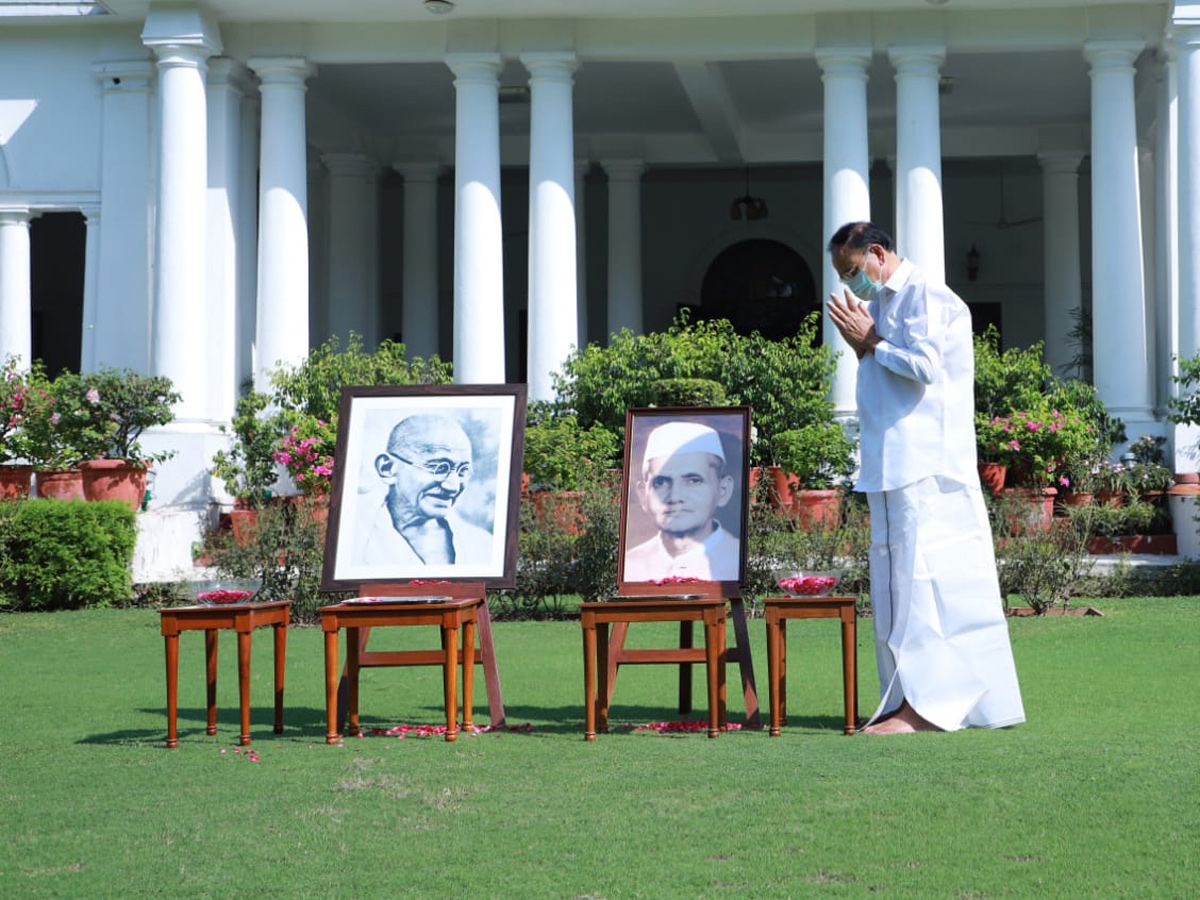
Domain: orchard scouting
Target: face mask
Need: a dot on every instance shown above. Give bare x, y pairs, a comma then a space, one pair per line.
861, 286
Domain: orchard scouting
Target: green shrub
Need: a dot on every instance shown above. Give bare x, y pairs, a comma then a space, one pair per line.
560, 454
820, 456
65, 554
786, 383
303, 402
687, 392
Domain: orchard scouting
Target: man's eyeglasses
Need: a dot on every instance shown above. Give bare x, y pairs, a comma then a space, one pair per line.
438, 468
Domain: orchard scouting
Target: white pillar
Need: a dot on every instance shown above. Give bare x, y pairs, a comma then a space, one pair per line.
624, 244
553, 314
1063, 290
1166, 247
581, 302
847, 192
247, 241
283, 217
419, 289
919, 217
226, 82
351, 184
121, 324
1120, 367
91, 273
16, 301
1187, 42
179, 323
478, 235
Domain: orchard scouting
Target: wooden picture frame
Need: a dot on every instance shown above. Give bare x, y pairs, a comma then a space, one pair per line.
475, 434
647, 539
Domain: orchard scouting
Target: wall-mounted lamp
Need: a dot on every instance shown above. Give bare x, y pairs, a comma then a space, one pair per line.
972, 263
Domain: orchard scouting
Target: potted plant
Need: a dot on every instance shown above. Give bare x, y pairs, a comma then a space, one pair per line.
14, 474
55, 434
118, 405
561, 457
815, 462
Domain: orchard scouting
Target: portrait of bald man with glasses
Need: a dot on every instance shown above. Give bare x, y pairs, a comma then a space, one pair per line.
427, 466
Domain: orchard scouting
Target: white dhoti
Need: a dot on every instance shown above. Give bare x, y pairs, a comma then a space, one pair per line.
941, 638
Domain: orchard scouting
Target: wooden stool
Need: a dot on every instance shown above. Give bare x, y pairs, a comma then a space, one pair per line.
451, 614
210, 618
485, 656
778, 610
595, 619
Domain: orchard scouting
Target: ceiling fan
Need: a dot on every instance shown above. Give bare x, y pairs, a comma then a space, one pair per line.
1002, 223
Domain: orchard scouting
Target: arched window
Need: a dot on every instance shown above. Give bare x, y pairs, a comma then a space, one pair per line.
759, 285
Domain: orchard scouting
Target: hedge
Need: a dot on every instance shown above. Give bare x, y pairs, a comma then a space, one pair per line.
65, 554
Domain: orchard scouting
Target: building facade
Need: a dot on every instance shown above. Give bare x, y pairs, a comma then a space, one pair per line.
207, 190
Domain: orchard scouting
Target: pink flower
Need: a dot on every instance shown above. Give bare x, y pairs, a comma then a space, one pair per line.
1064, 481
93, 396
54, 418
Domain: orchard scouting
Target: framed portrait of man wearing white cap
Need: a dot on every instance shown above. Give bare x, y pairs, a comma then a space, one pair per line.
683, 503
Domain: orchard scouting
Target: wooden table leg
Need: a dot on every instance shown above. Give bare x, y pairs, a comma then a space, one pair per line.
243, 644
782, 670
773, 684
280, 659
468, 678
589, 677
850, 671
605, 675
686, 641
450, 679
710, 659
352, 651
172, 651
331, 686
210, 673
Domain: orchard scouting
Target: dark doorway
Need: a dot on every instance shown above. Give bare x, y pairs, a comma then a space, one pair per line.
58, 246
759, 285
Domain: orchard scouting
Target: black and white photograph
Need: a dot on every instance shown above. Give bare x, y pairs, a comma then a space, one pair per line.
426, 484
684, 495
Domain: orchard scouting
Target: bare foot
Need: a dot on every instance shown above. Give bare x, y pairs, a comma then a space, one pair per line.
903, 721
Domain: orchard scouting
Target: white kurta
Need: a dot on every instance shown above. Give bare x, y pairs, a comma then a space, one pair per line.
941, 638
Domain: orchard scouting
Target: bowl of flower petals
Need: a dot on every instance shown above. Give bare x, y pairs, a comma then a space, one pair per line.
224, 593
807, 584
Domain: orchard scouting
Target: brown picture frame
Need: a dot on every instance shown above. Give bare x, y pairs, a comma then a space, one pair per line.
637, 555
360, 548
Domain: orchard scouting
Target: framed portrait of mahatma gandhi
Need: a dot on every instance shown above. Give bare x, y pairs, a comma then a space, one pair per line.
684, 498
426, 485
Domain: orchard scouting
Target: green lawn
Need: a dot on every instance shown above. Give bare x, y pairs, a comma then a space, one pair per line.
1098, 795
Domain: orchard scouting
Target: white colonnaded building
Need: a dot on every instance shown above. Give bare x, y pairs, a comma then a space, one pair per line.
206, 190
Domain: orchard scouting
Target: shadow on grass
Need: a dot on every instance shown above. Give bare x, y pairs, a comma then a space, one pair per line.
308, 723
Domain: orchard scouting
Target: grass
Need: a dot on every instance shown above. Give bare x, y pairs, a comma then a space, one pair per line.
1096, 796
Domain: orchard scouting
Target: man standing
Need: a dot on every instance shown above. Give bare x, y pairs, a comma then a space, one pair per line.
427, 466
684, 481
941, 639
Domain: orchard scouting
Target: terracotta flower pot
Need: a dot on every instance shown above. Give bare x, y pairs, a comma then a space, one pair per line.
65, 484
15, 481
991, 476
817, 510
114, 479
1041, 502
780, 492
